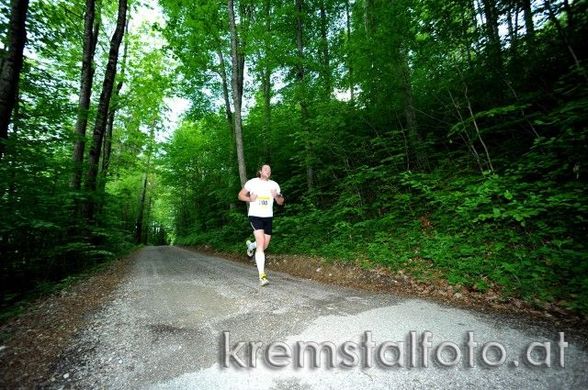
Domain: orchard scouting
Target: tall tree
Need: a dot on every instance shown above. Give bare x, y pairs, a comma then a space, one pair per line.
11, 66
114, 106
528, 16
103, 105
140, 215
91, 29
493, 46
237, 57
197, 31
417, 149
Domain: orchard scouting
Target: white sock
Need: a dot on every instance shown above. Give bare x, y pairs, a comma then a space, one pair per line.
260, 261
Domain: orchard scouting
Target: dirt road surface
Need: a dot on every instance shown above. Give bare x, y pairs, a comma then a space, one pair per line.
184, 320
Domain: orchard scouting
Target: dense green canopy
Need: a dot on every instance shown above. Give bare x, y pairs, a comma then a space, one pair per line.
443, 138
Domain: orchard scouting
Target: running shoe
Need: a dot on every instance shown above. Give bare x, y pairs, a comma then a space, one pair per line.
250, 248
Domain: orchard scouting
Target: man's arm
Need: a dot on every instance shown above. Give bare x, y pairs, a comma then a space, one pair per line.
279, 198
246, 196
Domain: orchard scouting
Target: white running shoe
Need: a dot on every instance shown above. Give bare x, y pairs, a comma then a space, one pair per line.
250, 248
263, 280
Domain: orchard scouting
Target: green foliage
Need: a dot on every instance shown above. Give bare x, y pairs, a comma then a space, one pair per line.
43, 239
458, 157
498, 205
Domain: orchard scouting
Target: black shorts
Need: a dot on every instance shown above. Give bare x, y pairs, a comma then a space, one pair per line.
261, 223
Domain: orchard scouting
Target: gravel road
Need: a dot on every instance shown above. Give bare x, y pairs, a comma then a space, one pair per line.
186, 320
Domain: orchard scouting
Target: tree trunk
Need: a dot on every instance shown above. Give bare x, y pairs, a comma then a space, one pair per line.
114, 105
368, 17
465, 136
325, 61
139, 223
414, 138
222, 71
476, 13
91, 28
225, 85
571, 18
349, 62
494, 49
237, 86
302, 93
244, 20
513, 28
12, 189
107, 146
528, 15
299, 41
475, 123
103, 105
266, 86
564, 37
491, 15
12, 66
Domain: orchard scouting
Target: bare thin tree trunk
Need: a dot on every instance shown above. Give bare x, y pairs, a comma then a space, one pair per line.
103, 105
12, 66
467, 140
465, 93
522, 111
91, 28
237, 86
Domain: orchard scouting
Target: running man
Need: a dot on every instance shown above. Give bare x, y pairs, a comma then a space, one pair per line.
261, 192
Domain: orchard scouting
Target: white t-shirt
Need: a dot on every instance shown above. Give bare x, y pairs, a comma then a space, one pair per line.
263, 206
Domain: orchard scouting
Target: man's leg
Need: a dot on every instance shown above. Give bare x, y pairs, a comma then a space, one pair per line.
267, 241
259, 253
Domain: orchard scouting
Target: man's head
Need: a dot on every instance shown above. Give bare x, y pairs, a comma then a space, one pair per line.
264, 172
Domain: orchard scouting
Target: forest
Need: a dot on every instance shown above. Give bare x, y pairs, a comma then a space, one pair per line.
443, 139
